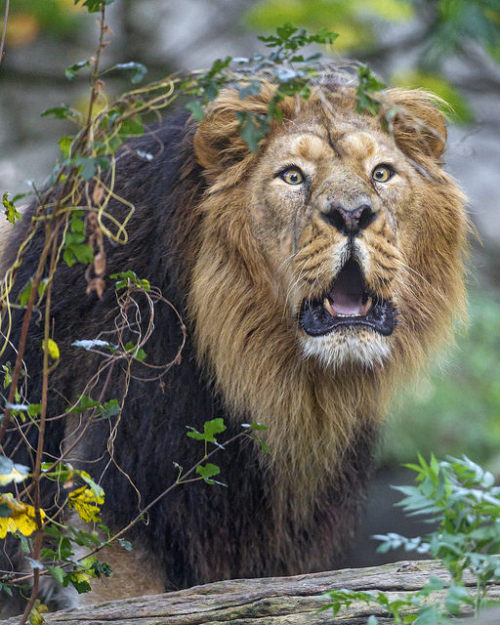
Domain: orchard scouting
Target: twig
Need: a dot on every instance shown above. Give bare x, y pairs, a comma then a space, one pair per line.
4, 31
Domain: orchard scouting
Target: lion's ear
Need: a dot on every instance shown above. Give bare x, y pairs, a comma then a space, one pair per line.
218, 144
419, 127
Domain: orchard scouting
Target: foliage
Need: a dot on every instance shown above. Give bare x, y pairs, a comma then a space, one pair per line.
461, 498
285, 66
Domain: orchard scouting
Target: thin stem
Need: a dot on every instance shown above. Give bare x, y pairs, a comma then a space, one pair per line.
4, 31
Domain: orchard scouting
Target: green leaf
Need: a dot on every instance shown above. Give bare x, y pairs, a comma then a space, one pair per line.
97, 490
57, 573
253, 128
368, 86
11, 211
80, 585
131, 128
208, 471
5, 511
70, 72
253, 88
111, 408
94, 5
83, 253
65, 145
88, 167
125, 544
196, 109
125, 279
62, 112
137, 70
4, 587
210, 429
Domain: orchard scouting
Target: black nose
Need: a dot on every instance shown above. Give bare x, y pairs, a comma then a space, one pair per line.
350, 221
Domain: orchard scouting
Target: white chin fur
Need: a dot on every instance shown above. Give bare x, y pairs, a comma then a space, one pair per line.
340, 348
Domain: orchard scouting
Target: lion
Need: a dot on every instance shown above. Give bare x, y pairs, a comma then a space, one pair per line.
315, 277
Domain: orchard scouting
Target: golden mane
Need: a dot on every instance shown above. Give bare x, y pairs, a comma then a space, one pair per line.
240, 320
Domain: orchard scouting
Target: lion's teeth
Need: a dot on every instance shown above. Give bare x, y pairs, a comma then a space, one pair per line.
366, 306
328, 307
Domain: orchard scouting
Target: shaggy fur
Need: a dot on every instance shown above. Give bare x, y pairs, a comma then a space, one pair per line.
237, 250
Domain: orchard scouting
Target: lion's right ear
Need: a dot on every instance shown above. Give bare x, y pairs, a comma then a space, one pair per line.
419, 126
218, 144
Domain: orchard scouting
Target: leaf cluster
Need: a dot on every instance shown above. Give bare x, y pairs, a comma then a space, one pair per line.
286, 66
462, 499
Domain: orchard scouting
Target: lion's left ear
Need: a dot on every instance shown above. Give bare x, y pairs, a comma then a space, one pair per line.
218, 144
418, 125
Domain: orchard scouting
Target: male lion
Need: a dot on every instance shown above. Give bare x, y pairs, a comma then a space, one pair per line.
313, 276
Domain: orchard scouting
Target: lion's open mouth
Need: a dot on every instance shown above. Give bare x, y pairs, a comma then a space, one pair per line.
348, 302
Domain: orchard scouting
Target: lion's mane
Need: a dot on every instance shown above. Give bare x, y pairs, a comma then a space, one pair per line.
199, 233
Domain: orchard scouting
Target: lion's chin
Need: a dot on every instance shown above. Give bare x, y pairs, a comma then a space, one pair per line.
345, 346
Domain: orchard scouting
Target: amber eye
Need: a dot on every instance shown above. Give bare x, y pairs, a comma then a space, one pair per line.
382, 173
292, 176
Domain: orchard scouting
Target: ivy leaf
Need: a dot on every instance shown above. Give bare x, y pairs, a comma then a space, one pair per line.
253, 128
88, 167
57, 573
80, 581
86, 503
252, 88
368, 86
196, 109
207, 472
210, 429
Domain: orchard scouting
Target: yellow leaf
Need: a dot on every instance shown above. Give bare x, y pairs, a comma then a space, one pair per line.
53, 349
13, 476
22, 517
86, 503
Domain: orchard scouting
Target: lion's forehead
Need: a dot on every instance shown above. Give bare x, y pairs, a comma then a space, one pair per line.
322, 143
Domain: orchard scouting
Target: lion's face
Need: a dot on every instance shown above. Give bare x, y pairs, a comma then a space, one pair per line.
352, 229
330, 202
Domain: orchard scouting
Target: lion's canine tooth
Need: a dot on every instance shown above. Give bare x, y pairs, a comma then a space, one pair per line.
328, 307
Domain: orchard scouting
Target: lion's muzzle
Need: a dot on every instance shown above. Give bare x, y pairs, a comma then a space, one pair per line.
348, 302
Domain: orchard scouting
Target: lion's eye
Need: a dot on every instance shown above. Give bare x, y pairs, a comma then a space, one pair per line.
292, 176
382, 173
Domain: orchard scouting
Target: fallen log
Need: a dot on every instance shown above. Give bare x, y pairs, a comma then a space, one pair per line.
266, 601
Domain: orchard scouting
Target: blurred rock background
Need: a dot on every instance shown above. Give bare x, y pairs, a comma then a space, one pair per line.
451, 47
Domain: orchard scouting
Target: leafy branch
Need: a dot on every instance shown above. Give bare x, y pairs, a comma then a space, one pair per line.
462, 499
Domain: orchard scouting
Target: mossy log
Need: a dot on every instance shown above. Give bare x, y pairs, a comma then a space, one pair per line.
268, 601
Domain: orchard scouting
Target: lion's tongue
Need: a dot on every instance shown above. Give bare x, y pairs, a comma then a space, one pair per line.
347, 292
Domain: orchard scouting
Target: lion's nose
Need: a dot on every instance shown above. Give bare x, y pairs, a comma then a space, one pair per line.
350, 221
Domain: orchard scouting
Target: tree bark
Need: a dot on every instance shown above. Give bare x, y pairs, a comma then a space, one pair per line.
267, 601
